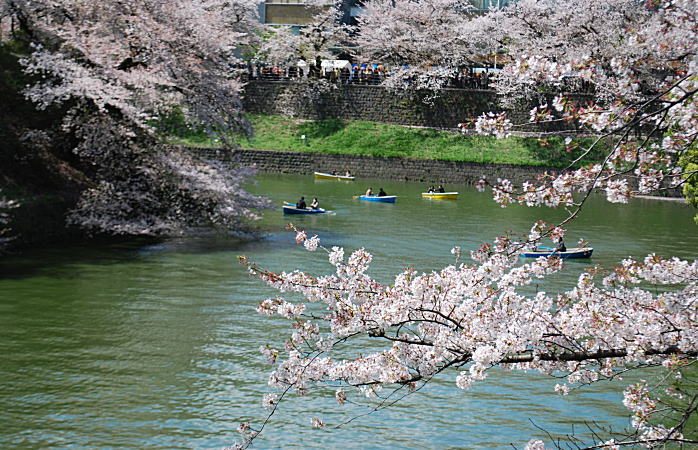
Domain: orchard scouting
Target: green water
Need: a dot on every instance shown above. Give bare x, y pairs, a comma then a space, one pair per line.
142, 344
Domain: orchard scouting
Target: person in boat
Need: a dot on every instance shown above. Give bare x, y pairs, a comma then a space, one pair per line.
334, 172
315, 204
431, 189
561, 246
301, 203
381, 193
440, 189
369, 192
348, 174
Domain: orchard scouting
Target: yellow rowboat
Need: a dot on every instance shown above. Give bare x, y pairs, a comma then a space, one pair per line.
440, 195
329, 176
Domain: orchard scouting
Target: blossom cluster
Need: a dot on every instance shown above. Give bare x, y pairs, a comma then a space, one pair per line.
646, 116
496, 124
471, 317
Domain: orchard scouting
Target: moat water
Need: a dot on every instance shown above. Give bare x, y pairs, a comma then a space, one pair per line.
141, 344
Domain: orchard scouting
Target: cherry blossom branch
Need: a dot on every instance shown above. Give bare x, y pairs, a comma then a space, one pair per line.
642, 441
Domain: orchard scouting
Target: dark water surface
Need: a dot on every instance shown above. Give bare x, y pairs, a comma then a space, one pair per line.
156, 345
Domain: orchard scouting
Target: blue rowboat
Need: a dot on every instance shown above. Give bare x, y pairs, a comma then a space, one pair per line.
376, 198
293, 210
577, 252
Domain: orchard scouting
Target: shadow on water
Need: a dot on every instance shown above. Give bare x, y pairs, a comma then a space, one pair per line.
118, 250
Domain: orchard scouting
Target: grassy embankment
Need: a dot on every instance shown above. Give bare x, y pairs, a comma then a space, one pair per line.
355, 137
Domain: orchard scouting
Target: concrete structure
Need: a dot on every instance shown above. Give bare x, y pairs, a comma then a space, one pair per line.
296, 12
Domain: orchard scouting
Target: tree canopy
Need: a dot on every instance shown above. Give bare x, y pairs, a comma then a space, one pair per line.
110, 68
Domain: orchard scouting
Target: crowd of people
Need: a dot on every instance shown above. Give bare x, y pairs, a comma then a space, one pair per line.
367, 74
374, 74
357, 74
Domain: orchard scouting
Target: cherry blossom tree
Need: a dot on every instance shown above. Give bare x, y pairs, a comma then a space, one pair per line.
114, 67
638, 65
310, 45
641, 67
423, 42
5, 218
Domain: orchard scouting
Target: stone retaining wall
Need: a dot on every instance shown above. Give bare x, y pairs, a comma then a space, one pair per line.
421, 170
378, 104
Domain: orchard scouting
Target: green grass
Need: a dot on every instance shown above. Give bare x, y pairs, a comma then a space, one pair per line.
355, 137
